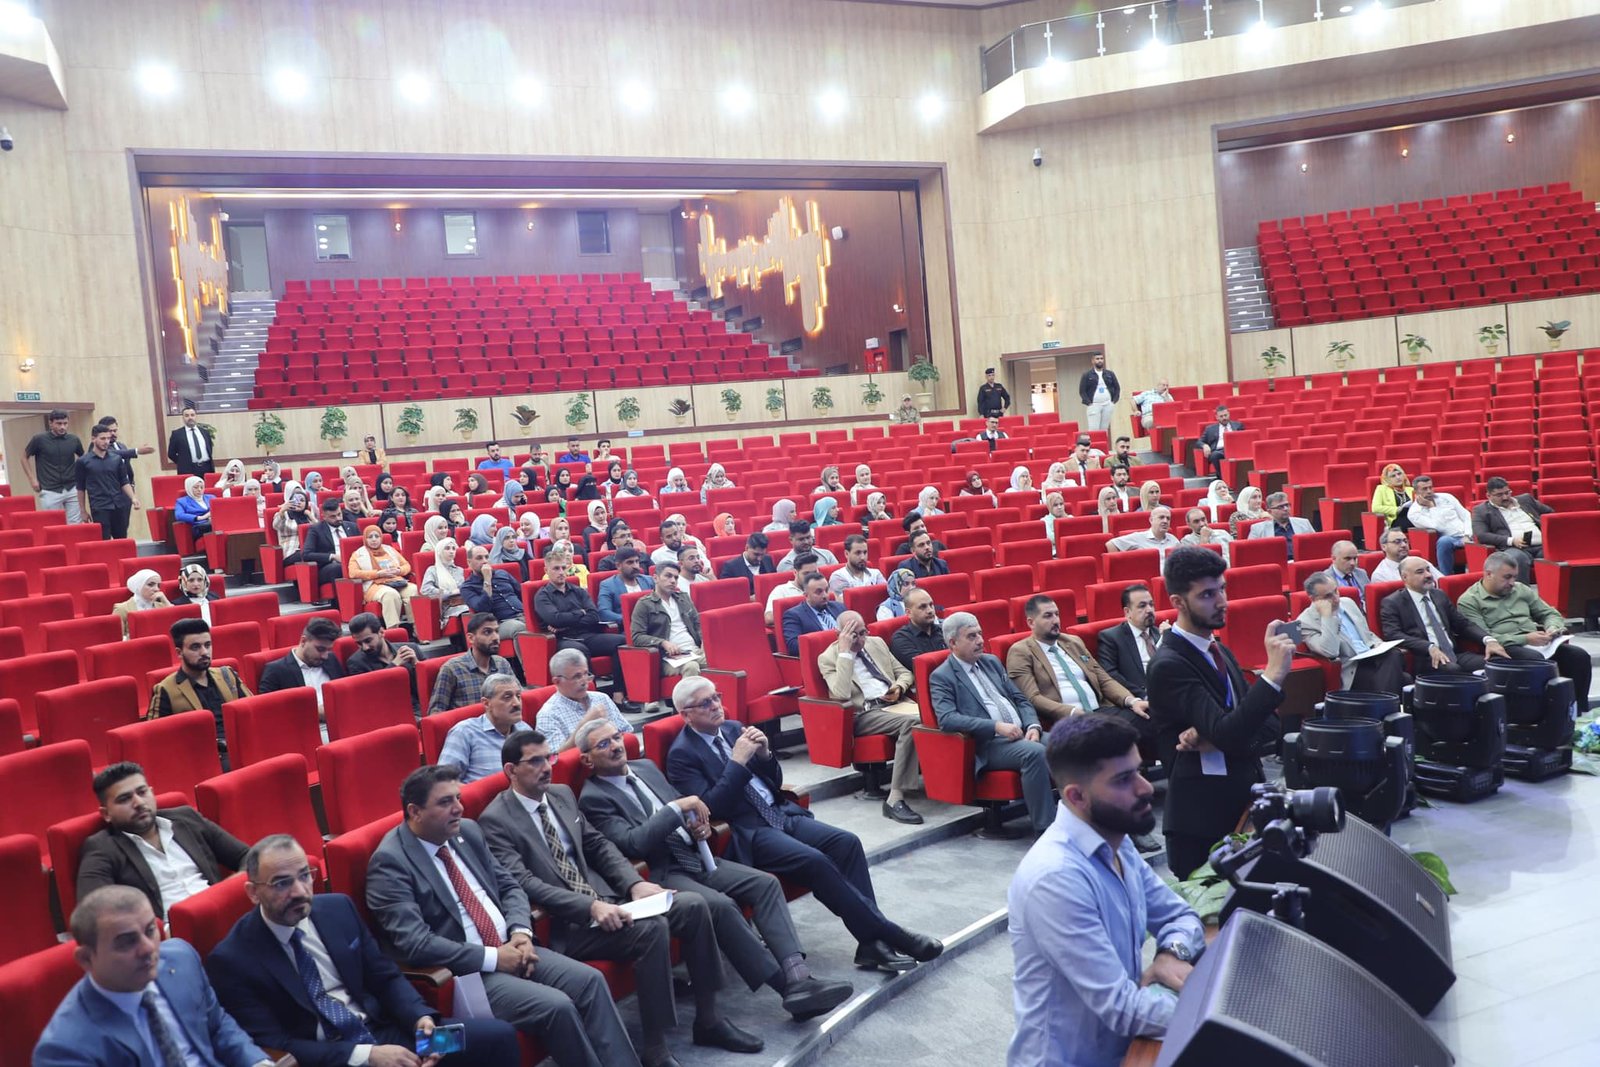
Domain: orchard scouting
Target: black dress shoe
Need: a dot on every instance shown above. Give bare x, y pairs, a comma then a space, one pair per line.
810, 997
725, 1035
667, 1060
919, 947
877, 956
900, 811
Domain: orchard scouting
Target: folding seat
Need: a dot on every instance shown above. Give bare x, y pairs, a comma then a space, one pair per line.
1250, 553
78, 635
264, 798
87, 711
267, 725
157, 622
365, 702
33, 986
1002, 583
33, 562
109, 553
948, 759
134, 658
25, 896
361, 775
23, 677
176, 751
47, 784
829, 725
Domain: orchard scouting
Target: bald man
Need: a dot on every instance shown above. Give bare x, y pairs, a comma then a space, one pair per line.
1430, 627
863, 673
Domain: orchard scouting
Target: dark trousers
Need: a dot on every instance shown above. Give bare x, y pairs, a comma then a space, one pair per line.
1571, 662
490, 1042
330, 572
1466, 663
113, 522
593, 645
1146, 728
1185, 852
726, 891
1381, 674
831, 863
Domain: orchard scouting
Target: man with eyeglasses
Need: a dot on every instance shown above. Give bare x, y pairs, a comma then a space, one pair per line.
1334, 627
1396, 548
574, 703
1281, 524
301, 973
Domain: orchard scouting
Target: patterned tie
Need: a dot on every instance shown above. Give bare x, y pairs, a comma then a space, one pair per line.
343, 1021
166, 1044
680, 844
825, 620
568, 870
1006, 712
1441, 636
469, 900
1149, 641
1085, 700
769, 814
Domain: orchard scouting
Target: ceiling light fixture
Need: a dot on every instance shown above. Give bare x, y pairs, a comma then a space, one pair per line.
635, 96
832, 103
737, 100
526, 91
1304, 167
931, 107
290, 84
1511, 138
157, 79
414, 88
464, 194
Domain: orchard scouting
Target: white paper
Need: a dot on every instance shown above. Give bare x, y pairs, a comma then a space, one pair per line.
1549, 649
706, 857
678, 661
1212, 761
471, 1001
1376, 650
646, 907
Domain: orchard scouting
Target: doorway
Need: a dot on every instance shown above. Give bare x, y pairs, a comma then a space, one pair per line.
246, 243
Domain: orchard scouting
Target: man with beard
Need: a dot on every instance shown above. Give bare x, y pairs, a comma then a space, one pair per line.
1082, 903
1207, 719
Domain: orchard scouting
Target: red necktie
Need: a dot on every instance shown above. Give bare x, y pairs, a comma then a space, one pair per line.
469, 900
1215, 654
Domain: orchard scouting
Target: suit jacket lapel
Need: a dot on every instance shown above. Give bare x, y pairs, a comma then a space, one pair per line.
422, 860
191, 843
652, 776
1203, 662
131, 852
112, 1020
261, 941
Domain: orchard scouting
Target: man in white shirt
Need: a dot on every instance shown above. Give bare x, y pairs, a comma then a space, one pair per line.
855, 573
862, 672
804, 566
1099, 392
1158, 537
1442, 514
1396, 547
1202, 532
692, 565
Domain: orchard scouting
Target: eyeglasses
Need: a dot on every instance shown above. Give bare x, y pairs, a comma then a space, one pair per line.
284, 883
709, 702
614, 741
576, 675
532, 761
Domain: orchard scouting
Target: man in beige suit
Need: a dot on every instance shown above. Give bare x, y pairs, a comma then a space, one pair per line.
1333, 627
1057, 674
862, 672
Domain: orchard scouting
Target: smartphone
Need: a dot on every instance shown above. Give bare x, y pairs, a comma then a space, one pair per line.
1291, 630
443, 1040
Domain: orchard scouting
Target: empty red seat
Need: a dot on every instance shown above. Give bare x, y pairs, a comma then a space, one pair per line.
88, 710
134, 658
365, 702
176, 751
361, 775
264, 798
47, 784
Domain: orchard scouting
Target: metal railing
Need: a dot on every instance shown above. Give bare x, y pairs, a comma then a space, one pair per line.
1153, 23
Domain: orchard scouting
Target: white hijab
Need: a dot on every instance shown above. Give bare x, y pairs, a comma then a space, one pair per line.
136, 587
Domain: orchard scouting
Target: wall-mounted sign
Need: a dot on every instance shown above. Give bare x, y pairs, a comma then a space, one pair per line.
29, 396
1050, 344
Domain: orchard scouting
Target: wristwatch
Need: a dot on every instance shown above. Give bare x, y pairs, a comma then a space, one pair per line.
1179, 951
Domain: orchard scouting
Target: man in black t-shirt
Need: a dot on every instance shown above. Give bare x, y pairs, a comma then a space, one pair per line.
50, 460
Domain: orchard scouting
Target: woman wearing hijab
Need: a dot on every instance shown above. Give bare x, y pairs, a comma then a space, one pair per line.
782, 516
507, 549
528, 478
588, 488
1393, 492
253, 488
597, 519
612, 483
442, 580
456, 516
384, 574
830, 482
313, 486
194, 506
631, 486
724, 525
974, 486
1246, 509
514, 499
1106, 505
676, 482
272, 480
435, 530
1055, 510
863, 486
825, 512
561, 530
1217, 494
877, 508
232, 480
1022, 481
1057, 478
194, 587
442, 479
145, 587
433, 500
928, 502
477, 485
716, 478
555, 496
901, 582
563, 482
382, 486
400, 504
528, 530
293, 513
483, 530
1150, 495
389, 523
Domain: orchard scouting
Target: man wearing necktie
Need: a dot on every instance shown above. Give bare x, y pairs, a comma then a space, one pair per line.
1057, 674
1333, 627
817, 613
1430, 627
1345, 572
971, 694
190, 447
1209, 720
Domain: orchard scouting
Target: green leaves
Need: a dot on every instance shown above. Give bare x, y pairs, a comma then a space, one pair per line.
1430, 862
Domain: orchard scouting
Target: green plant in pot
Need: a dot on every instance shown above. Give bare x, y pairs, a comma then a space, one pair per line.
925, 374
409, 425
628, 411
1341, 352
269, 432
1554, 330
732, 402
210, 430
822, 400
1415, 344
335, 427
1490, 337
578, 411
466, 422
679, 410
1273, 360
774, 401
871, 394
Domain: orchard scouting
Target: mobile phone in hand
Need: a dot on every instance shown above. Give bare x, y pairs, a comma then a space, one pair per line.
443, 1041
1291, 630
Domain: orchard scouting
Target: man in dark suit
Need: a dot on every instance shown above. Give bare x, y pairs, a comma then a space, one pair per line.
1207, 718
577, 877
1511, 524
142, 999
1099, 392
731, 767
752, 561
311, 662
302, 973
1214, 439
189, 852
375, 652
924, 561
630, 802
190, 448
1430, 627
1125, 649
319, 541
430, 913
816, 614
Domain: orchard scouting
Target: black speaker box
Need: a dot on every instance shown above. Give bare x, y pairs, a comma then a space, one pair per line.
1267, 995
1372, 902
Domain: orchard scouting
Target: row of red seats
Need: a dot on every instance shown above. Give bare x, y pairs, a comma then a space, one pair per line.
1550, 194
477, 281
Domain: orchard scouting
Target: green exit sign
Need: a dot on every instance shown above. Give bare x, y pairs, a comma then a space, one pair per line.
28, 396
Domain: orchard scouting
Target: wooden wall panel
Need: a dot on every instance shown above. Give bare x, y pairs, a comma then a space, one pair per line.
549, 425
1374, 341
1245, 352
1524, 321
1452, 333
653, 408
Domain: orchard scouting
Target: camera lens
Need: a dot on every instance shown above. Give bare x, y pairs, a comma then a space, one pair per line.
1317, 810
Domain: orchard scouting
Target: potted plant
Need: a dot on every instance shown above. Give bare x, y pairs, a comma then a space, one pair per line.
409, 424
924, 373
822, 400
1273, 359
209, 430
1554, 330
466, 422
1341, 352
732, 403
1416, 344
578, 411
1490, 337
679, 410
628, 411
524, 416
774, 401
871, 394
335, 427
269, 432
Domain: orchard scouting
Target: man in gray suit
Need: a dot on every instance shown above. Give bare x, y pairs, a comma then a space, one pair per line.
1333, 627
570, 871
1345, 572
1280, 523
631, 803
440, 899
971, 694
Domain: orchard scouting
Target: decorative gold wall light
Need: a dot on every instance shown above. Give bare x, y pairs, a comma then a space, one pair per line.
803, 257
199, 269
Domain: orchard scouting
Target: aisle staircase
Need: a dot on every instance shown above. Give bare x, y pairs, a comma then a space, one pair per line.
1248, 306
233, 367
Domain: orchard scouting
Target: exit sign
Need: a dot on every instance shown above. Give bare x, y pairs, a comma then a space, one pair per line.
1044, 345
28, 396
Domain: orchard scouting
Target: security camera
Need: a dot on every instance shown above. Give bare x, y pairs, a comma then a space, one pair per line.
7, 142
1038, 157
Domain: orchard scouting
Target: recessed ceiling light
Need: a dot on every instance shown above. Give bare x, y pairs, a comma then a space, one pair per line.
414, 88
738, 100
635, 96
832, 103
931, 107
1346, 9
526, 91
290, 84
157, 79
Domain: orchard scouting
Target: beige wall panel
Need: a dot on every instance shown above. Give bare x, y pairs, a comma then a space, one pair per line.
1374, 341
1452, 333
236, 433
100, 193
653, 405
438, 418
549, 426
1245, 351
713, 417
1526, 318
32, 196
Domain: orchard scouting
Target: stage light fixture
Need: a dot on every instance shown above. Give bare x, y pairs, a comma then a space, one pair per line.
157, 79
1405, 152
635, 96
832, 103
1511, 138
737, 100
414, 88
1304, 167
290, 84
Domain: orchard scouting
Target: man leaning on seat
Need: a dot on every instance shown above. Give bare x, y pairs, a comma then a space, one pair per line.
862, 672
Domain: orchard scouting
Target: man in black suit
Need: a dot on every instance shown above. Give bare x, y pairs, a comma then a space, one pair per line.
302, 973
1511, 524
190, 446
1126, 649
1208, 720
731, 767
168, 854
1214, 439
752, 561
1430, 627
572, 873
924, 561
817, 613
311, 662
630, 802
319, 541
375, 652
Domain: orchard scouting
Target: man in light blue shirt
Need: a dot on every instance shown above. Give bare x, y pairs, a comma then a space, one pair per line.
1082, 903
474, 744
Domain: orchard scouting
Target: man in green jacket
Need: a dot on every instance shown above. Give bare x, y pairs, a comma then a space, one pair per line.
1523, 623
666, 619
